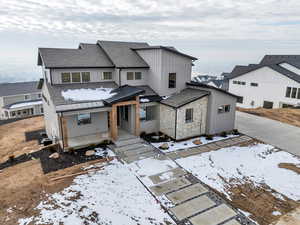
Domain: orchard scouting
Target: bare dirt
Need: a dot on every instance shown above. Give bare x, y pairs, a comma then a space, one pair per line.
12, 137
285, 115
290, 166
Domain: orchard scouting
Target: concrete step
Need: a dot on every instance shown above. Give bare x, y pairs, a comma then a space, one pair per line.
128, 141
137, 151
133, 158
129, 147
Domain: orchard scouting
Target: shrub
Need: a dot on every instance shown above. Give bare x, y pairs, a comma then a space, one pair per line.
224, 134
209, 137
11, 158
235, 132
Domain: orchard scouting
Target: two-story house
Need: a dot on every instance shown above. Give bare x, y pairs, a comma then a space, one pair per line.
21, 99
109, 89
273, 83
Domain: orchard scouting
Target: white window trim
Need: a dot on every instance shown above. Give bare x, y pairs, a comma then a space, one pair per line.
102, 76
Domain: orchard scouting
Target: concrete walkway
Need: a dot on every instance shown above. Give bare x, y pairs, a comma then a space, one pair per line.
279, 134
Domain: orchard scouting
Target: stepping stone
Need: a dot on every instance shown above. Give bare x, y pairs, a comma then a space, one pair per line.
232, 222
169, 186
213, 216
192, 207
167, 175
186, 193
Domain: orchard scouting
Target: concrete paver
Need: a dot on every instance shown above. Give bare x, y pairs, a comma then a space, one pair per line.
167, 175
232, 222
213, 216
133, 158
279, 134
169, 186
186, 193
192, 207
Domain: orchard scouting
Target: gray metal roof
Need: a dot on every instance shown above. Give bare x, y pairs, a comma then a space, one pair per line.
122, 55
167, 48
87, 55
184, 97
202, 85
124, 93
18, 88
55, 91
277, 59
148, 90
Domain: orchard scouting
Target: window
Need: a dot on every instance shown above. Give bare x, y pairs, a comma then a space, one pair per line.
107, 75
65, 77
84, 119
138, 75
129, 75
26, 97
240, 99
298, 96
235, 82
86, 77
294, 92
254, 84
42, 110
172, 80
39, 95
189, 115
13, 113
147, 113
76, 77
288, 92
239, 82
224, 109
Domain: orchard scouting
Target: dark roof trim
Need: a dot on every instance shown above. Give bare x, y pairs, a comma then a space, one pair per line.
167, 49
137, 67
195, 99
79, 67
196, 84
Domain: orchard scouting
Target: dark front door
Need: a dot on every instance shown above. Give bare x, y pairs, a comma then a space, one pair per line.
268, 105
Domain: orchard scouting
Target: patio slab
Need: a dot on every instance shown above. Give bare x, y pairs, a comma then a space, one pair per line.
232, 222
169, 186
186, 193
192, 207
133, 158
167, 175
213, 216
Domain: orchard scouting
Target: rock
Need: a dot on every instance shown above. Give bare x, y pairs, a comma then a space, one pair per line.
90, 153
164, 146
197, 142
54, 156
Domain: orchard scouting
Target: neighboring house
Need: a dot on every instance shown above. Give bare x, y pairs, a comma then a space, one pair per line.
110, 90
218, 82
204, 78
273, 83
19, 100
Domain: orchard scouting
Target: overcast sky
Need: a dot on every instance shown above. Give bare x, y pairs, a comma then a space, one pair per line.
221, 33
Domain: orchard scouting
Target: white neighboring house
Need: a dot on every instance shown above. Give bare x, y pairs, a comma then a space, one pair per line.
21, 99
273, 83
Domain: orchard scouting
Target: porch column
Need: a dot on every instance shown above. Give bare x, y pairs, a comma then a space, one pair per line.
137, 116
64, 132
113, 123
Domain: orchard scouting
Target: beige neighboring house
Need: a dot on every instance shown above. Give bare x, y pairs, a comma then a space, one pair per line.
116, 90
19, 100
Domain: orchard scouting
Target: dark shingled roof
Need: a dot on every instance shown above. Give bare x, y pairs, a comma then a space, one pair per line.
18, 88
122, 55
184, 97
87, 55
167, 48
58, 99
277, 59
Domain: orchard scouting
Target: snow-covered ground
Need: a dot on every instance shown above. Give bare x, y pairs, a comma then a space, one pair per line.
257, 163
87, 94
112, 196
174, 146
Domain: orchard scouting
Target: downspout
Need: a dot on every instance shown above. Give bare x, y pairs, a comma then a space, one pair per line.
176, 124
61, 129
120, 77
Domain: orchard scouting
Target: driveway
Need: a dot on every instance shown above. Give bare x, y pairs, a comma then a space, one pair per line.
279, 134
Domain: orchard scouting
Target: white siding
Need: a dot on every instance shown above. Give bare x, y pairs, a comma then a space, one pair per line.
271, 87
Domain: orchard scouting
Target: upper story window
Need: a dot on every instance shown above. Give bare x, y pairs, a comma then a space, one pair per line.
76, 77
107, 75
239, 82
26, 97
129, 75
224, 109
292, 92
65, 77
254, 84
172, 80
189, 115
138, 75
86, 77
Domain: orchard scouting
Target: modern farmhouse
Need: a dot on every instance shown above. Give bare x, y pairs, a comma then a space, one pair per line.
111, 89
273, 83
19, 100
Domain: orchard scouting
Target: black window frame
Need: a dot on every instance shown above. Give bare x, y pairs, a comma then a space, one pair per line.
105, 73
189, 115
288, 92
254, 84
298, 95
172, 81
131, 74
84, 121
138, 77
294, 92
150, 113
240, 99
83, 74
73, 75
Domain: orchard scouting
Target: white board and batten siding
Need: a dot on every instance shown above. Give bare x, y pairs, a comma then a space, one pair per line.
271, 87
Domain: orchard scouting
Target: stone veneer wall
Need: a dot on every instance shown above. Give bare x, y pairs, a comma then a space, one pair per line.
198, 126
167, 120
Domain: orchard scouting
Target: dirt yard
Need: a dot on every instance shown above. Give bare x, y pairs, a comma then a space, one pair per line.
289, 116
12, 137
24, 186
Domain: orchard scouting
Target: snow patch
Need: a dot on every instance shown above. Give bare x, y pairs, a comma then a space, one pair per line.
87, 94
25, 104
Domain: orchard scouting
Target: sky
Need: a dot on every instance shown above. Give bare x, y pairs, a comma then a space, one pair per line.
220, 33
